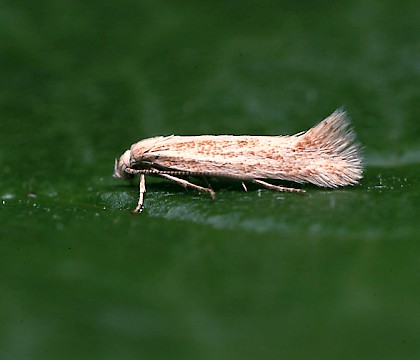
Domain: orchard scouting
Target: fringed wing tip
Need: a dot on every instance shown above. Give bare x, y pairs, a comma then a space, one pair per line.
336, 133
335, 138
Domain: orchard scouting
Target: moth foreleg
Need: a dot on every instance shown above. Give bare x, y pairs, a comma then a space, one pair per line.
186, 183
142, 190
276, 187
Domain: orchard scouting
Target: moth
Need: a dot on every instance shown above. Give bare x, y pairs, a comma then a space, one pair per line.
326, 155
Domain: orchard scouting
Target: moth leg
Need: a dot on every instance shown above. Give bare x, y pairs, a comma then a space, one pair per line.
186, 183
142, 190
276, 187
244, 186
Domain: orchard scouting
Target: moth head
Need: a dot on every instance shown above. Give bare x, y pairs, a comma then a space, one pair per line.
120, 166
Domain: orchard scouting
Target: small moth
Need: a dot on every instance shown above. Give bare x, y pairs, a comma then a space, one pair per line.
326, 155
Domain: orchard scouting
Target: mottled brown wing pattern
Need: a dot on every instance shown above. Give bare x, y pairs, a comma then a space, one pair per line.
326, 155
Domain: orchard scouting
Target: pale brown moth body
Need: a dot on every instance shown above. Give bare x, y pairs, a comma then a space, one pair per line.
325, 155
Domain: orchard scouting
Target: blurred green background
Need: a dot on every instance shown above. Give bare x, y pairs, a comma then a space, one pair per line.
331, 274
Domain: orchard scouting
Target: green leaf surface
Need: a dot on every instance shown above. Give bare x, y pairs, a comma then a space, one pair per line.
328, 274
